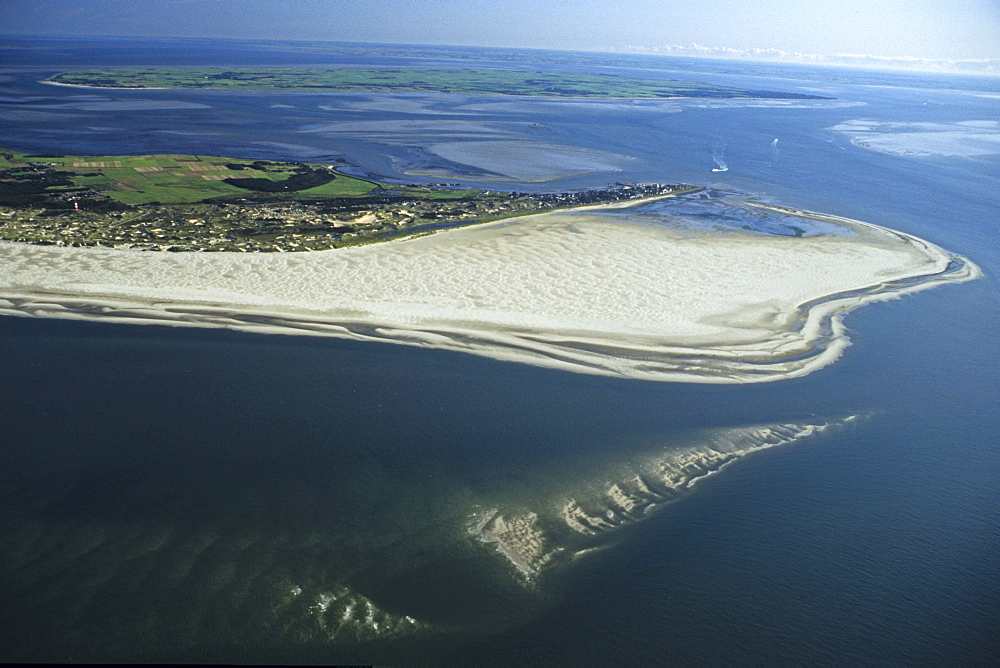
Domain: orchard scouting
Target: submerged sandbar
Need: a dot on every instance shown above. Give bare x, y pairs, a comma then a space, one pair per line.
577, 520
620, 290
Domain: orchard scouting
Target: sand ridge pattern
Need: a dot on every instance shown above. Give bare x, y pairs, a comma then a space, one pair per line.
234, 582
574, 525
575, 291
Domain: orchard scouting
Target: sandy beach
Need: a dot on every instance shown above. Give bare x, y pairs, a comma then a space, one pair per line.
577, 291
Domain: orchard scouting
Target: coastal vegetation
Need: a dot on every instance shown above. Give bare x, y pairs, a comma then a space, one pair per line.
469, 81
204, 203
57, 181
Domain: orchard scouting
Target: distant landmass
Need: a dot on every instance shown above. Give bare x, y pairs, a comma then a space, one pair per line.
469, 81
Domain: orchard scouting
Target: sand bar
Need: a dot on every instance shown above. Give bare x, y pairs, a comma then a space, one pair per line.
579, 291
591, 510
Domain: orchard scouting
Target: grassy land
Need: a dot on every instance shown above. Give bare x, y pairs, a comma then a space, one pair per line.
165, 179
491, 82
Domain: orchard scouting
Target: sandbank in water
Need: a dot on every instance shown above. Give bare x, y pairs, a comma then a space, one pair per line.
580, 523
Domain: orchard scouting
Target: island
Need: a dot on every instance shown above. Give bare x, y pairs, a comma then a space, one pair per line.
410, 79
661, 282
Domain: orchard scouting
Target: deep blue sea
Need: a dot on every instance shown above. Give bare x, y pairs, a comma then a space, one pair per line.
205, 495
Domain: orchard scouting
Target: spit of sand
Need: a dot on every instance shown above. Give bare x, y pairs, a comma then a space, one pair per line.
582, 292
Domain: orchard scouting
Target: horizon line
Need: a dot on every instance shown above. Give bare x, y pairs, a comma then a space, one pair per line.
989, 66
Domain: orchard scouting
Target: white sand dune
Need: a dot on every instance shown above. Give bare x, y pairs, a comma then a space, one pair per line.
581, 292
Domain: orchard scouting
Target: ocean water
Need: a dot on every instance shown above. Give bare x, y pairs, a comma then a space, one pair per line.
196, 495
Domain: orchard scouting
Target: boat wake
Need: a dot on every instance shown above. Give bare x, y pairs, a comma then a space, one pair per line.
717, 156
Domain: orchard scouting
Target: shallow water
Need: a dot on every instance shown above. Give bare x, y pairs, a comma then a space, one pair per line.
210, 495
718, 210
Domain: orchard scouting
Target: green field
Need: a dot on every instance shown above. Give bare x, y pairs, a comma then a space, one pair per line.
165, 179
475, 81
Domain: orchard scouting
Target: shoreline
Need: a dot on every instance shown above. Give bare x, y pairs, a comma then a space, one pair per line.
643, 339
59, 83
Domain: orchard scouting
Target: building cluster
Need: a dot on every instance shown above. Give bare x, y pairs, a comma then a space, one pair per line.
285, 225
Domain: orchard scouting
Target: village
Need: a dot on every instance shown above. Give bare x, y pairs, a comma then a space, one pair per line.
283, 225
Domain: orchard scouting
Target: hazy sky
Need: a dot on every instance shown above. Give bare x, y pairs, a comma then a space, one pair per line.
920, 28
